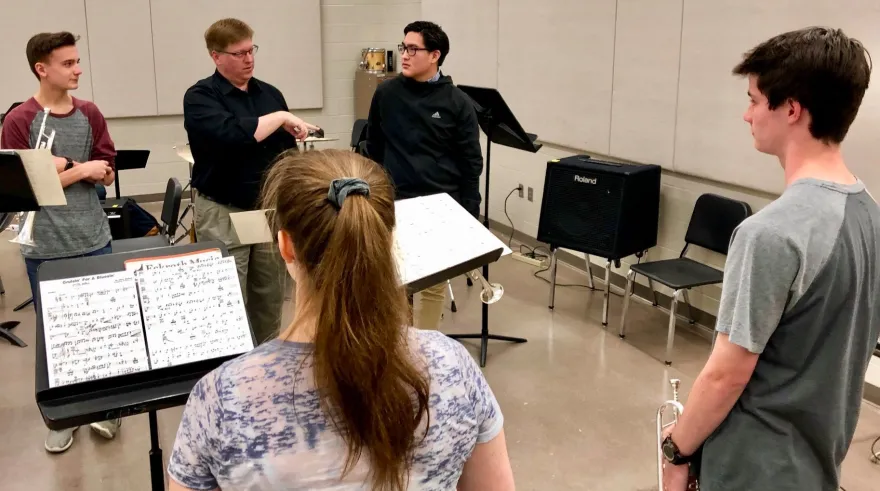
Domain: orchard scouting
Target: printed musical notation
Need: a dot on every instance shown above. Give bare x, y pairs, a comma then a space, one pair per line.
93, 328
193, 308
435, 233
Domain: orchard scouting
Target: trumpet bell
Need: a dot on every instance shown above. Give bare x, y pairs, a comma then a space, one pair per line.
491, 293
26, 230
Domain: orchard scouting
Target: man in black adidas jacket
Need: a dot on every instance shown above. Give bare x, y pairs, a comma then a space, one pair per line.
424, 131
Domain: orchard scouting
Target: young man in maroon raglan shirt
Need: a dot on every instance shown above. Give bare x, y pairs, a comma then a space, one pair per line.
84, 156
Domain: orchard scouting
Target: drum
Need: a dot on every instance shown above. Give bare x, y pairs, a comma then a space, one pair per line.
373, 60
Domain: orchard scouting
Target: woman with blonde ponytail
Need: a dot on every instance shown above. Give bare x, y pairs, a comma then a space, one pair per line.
347, 397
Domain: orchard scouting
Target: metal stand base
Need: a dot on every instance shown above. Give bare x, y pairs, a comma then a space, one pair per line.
23, 304
484, 335
6, 333
553, 265
157, 472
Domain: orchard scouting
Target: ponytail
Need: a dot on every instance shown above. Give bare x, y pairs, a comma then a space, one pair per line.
370, 388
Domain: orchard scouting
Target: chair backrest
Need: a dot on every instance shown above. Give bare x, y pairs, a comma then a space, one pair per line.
171, 206
714, 220
358, 132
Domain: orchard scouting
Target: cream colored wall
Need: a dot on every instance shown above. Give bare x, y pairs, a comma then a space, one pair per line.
347, 27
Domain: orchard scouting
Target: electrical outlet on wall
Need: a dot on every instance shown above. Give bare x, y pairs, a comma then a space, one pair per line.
520, 189
531, 194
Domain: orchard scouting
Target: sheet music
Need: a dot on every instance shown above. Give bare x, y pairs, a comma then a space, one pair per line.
193, 308
93, 329
435, 233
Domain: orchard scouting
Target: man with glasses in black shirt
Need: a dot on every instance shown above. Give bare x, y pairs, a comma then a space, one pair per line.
424, 131
237, 125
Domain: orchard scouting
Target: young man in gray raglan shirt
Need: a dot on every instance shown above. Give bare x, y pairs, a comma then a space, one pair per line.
777, 403
84, 156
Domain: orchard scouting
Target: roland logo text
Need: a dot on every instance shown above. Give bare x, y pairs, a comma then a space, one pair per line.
585, 180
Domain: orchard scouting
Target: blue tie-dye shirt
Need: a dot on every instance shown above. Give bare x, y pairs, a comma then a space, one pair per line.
256, 423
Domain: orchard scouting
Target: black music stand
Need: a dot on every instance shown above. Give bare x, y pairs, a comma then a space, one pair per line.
16, 194
116, 397
128, 160
501, 127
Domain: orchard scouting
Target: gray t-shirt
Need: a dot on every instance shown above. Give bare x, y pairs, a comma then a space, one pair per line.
799, 283
256, 423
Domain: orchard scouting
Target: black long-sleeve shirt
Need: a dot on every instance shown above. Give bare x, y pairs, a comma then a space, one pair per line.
427, 137
220, 121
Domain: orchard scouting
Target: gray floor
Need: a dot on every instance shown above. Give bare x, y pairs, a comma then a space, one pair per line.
579, 403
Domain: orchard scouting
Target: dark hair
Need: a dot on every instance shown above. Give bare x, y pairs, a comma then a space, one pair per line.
41, 45
821, 68
433, 35
225, 32
369, 384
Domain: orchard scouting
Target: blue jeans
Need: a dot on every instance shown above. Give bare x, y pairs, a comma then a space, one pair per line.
33, 264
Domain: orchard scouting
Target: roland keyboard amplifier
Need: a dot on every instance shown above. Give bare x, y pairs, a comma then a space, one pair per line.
605, 209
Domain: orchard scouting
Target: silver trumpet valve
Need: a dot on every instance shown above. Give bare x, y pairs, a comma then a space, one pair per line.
491, 292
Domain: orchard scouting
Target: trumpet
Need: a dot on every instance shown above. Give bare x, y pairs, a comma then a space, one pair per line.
25, 229
677, 409
492, 292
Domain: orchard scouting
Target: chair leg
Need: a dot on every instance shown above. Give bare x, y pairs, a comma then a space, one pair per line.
451, 296
670, 336
6, 333
607, 293
653, 291
589, 271
687, 300
2, 288
630, 279
552, 277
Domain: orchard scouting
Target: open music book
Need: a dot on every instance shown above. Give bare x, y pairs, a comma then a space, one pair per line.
159, 312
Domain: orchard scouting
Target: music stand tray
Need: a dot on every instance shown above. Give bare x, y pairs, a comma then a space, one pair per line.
116, 397
128, 160
501, 127
420, 284
16, 192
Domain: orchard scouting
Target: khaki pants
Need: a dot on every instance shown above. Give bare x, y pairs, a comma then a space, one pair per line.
431, 307
261, 270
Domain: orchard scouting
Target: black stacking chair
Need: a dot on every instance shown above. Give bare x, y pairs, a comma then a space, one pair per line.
712, 224
170, 210
359, 136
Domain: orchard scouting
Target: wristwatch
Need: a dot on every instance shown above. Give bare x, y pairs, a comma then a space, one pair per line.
672, 454
69, 164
